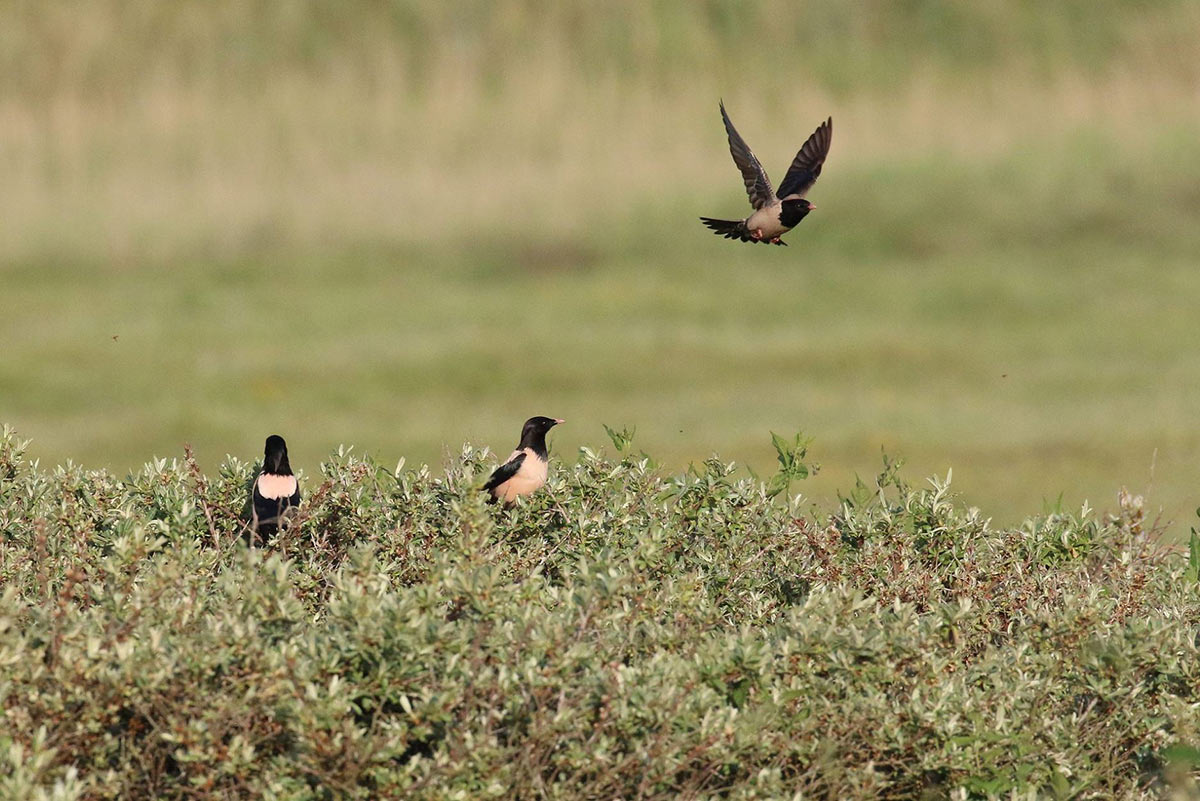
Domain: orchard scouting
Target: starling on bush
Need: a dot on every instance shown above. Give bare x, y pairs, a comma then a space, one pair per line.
276, 491
525, 470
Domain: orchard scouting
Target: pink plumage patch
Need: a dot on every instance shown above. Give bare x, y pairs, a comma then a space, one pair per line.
273, 486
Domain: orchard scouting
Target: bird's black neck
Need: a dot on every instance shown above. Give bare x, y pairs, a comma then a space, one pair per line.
280, 469
536, 442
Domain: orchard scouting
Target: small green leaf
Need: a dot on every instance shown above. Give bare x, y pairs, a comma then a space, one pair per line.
622, 439
1193, 569
1182, 755
792, 467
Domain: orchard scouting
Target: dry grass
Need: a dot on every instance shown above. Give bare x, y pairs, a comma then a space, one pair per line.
128, 132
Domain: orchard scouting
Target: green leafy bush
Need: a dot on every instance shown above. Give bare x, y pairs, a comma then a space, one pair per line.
624, 634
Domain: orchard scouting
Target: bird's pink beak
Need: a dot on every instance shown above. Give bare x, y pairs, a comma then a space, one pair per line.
811, 207
558, 420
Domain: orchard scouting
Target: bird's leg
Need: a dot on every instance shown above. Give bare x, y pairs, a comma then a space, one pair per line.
776, 241
756, 233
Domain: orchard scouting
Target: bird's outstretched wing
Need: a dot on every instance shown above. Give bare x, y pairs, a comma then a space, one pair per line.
758, 185
505, 471
806, 167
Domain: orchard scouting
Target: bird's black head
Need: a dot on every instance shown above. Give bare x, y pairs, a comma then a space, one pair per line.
794, 211
533, 435
275, 457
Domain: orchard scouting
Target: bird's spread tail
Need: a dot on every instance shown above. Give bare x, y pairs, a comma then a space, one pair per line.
730, 229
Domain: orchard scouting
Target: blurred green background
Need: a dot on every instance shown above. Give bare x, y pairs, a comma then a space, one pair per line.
404, 225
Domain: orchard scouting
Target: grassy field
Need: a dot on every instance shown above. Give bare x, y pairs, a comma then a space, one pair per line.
406, 226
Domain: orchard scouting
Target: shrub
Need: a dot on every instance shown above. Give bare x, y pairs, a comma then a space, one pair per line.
624, 634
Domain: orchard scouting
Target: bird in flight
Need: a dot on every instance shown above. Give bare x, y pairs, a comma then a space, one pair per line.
774, 214
276, 491
525, 470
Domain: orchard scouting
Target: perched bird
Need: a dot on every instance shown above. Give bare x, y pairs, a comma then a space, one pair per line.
276, 491
525, 470
774, 214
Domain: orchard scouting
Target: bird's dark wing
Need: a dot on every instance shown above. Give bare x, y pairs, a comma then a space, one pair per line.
505, 471
758, 185
806, 167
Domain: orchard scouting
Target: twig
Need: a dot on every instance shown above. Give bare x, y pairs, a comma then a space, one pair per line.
202, 491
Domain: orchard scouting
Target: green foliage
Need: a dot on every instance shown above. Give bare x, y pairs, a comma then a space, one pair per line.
623, 633
622, 439
1193, 569
792, 464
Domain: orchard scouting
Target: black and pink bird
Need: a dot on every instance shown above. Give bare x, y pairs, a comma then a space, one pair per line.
774, 213
276, 494
526, 469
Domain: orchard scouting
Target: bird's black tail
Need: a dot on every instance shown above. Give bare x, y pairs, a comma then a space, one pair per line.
730, 229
